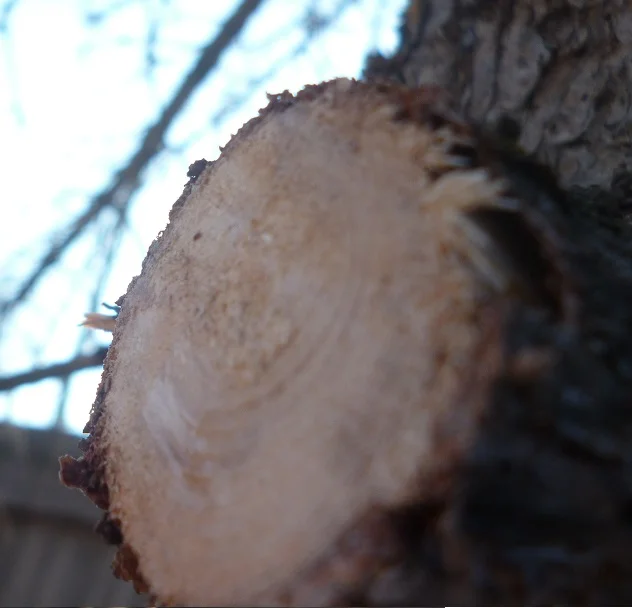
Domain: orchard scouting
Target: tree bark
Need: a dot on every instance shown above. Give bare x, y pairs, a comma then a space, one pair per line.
541, 514
560, 69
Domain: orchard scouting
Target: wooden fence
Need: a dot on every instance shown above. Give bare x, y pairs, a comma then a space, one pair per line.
49, 553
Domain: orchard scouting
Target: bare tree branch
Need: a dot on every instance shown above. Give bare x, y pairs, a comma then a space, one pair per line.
236, 101
127, 180
56, 370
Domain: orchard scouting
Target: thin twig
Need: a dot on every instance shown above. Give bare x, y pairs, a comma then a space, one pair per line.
56, 370
235, 102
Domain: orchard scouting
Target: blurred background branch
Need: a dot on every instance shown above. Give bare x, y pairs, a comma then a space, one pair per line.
57, 370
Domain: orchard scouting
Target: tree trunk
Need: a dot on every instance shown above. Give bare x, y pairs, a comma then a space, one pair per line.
379, 357
559, 69
542, 513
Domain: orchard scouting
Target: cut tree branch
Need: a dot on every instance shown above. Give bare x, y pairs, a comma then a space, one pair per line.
126, 180
385, 345
56, 370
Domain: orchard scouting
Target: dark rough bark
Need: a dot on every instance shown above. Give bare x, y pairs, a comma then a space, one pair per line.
541, 513
561, 69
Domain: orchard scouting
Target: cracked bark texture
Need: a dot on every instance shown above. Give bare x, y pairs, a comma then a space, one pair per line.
561, 69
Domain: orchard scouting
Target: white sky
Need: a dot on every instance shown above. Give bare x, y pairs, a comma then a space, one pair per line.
75, 99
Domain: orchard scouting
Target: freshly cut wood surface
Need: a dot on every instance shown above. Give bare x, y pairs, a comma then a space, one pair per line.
313, 382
